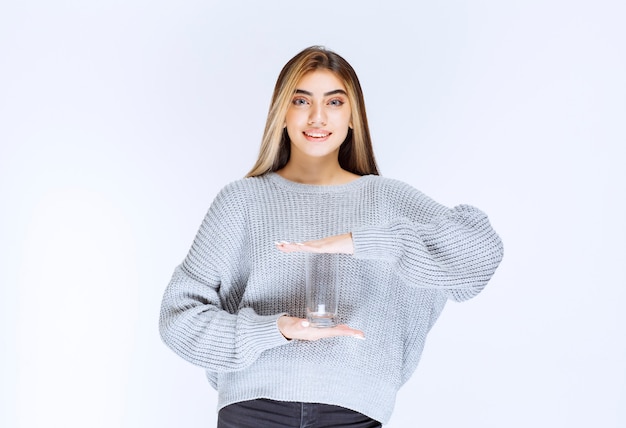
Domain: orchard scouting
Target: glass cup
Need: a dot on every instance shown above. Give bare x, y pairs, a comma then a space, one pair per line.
322, 289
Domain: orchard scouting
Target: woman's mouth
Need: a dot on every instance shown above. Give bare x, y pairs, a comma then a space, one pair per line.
315, 135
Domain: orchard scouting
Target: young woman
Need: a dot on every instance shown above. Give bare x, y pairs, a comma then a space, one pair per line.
235, 306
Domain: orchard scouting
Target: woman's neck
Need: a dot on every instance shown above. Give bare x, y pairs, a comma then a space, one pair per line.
322, 173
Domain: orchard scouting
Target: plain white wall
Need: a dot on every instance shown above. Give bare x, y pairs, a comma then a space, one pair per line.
120, 121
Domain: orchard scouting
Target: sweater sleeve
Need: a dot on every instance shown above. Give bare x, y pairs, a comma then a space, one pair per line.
195, 321
455, 250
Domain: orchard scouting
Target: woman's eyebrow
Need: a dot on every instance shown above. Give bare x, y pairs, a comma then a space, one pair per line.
310, 94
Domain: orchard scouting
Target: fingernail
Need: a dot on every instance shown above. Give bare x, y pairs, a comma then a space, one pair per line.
305, 324
299, 243
358, 336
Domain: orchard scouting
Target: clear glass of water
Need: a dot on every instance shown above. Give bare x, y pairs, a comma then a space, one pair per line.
322, 289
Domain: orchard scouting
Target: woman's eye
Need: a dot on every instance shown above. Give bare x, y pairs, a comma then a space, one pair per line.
336, 102
299, 102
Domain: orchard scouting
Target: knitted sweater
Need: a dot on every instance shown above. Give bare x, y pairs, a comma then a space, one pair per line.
411, 255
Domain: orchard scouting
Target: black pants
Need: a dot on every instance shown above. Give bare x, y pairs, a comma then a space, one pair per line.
264, 413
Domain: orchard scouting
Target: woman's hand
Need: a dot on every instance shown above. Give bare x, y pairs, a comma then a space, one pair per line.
339, 244
298, 328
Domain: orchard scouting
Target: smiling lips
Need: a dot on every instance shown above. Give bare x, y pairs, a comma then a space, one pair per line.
317, 135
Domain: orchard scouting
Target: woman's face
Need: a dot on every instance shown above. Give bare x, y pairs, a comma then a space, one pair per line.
319, 116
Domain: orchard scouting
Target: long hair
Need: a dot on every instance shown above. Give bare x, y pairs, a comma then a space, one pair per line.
355, 153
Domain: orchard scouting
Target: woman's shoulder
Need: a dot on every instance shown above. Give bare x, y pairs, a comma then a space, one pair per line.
244, 186
234, 196
393, 185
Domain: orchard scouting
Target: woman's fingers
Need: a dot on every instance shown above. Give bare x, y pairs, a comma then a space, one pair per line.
300, 329
332, 244
293, 247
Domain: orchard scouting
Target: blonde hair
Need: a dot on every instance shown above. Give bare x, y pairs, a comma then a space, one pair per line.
355, 154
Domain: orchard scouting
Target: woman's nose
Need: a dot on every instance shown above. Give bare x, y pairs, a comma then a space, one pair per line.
317, 116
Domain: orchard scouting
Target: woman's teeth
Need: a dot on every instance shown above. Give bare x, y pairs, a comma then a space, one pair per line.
316, 135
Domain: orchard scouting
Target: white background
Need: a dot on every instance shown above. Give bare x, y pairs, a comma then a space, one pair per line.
120, 121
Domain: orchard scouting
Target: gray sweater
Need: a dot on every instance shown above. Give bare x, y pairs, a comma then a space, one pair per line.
411, 255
